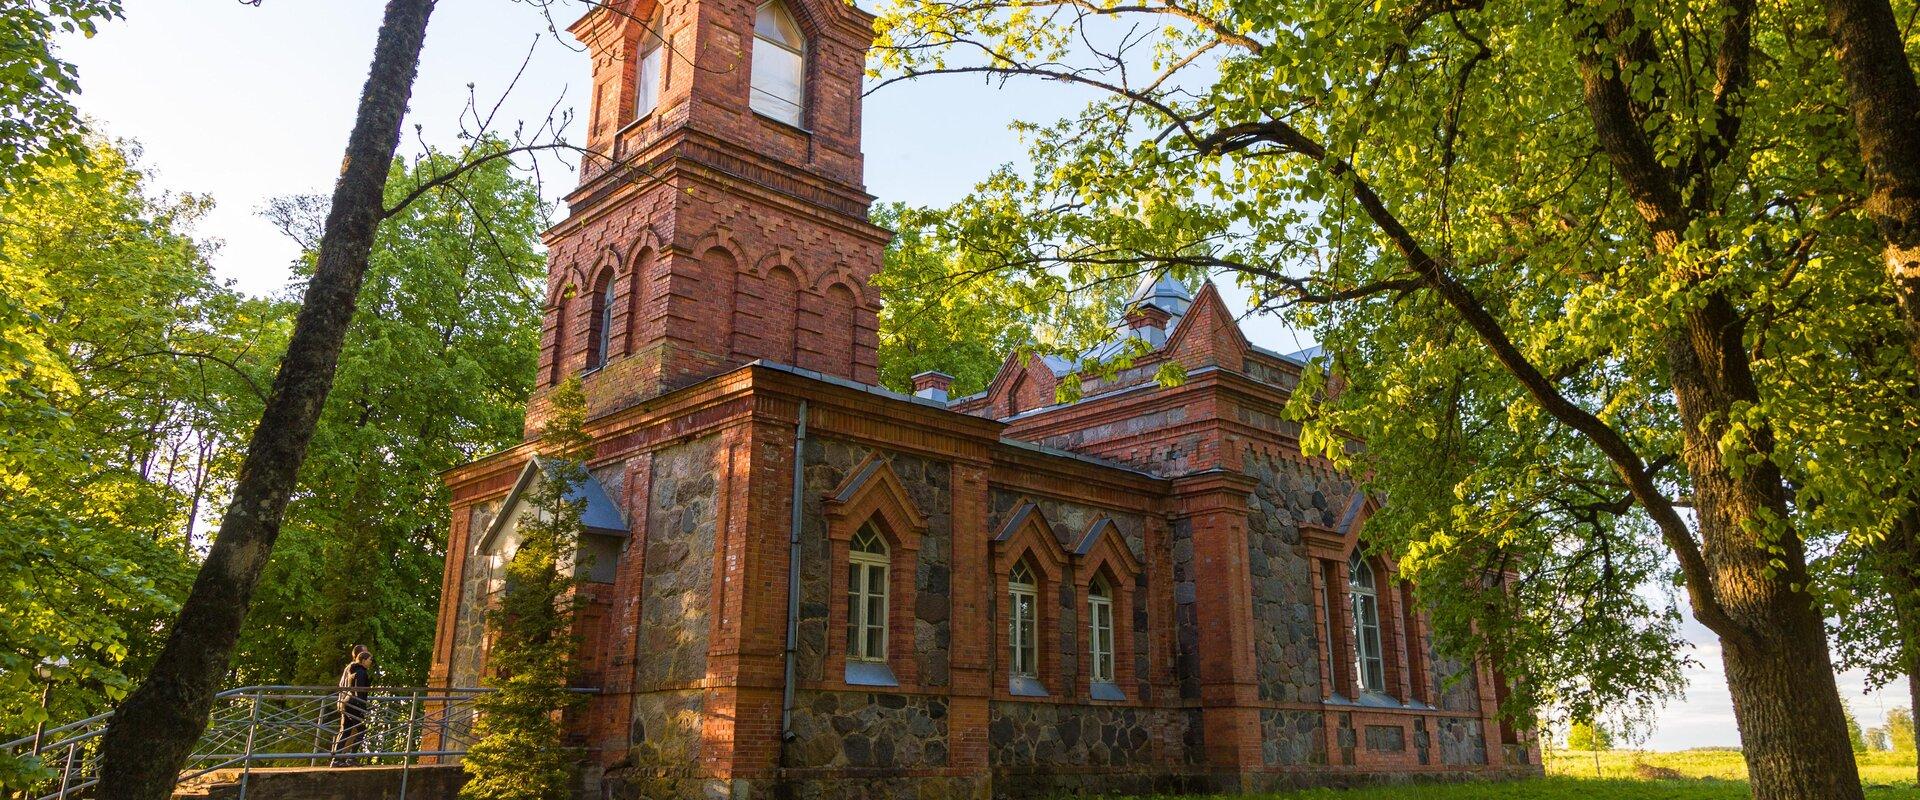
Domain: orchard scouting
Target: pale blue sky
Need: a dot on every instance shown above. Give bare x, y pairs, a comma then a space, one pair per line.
247, 104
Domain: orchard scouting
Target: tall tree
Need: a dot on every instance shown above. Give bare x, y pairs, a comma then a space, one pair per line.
156, 727
436, 370
1570, 261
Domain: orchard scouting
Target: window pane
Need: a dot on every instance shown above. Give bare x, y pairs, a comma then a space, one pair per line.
876, 646
778, 78
648, 79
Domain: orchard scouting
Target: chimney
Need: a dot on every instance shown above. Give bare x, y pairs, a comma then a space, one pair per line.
932, 386
1150, 322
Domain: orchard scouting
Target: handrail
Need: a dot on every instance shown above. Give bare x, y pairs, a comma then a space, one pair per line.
276, 724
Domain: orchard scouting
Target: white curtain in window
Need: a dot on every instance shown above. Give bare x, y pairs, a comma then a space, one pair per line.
779, 65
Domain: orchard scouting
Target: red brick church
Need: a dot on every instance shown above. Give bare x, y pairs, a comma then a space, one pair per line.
802, 584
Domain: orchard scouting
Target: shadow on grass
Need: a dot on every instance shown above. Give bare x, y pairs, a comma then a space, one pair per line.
1554, 788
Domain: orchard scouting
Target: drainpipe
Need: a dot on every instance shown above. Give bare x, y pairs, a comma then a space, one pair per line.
793, 574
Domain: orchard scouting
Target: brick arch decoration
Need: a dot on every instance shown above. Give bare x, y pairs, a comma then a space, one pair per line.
604, 275
766, 308
637, 280
556, 314
874, 493
1103, 551
1027, 534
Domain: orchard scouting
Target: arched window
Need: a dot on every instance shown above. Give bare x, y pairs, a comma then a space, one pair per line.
1367, 662
779, 65
1023, 610
600, 331
867, 596
1100, 629
647, 75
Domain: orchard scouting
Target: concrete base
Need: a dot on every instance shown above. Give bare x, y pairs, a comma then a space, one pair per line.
422, 782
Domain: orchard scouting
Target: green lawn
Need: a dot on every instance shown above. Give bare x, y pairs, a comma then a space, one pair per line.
1627, 775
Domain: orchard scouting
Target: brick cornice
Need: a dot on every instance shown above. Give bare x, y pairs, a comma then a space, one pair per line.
694, 154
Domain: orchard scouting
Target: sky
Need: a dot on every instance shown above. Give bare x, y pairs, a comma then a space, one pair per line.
247, 103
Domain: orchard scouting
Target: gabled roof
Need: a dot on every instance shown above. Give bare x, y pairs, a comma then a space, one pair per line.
600, 516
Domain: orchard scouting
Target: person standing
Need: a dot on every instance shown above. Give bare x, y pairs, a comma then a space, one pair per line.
355, 679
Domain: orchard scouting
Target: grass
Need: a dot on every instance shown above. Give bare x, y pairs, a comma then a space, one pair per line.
1628, 775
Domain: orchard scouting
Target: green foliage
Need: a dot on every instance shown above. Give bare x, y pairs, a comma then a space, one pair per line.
436, 370
122, 366
41, 128
1469, 126
939, 312
952, 309
1855, 736
1587, 736
520, 754
1900, 730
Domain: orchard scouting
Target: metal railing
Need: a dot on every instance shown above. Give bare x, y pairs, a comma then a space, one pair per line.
272, 726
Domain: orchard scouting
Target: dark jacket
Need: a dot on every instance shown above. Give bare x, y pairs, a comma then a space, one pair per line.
354, 681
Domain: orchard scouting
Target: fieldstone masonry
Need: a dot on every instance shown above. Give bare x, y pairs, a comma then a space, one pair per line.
743, 319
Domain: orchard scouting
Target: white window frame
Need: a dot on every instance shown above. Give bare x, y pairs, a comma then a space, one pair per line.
648, 78
1369, 663
792, 111
1023, 623
1100, 630
867, 575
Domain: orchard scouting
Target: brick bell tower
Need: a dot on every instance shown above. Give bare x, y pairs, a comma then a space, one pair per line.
722, 216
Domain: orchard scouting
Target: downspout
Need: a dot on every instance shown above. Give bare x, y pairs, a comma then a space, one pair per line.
793, 575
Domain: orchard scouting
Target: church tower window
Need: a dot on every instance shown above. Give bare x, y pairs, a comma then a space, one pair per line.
647, 76
779, 65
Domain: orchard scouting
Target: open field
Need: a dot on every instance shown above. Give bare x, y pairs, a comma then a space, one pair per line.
1628, 775
1876, 769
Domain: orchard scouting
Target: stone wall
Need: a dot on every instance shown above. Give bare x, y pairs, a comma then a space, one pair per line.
470, 619
1292, 738
1454, 684
930, 486
1286, 637
867, 730
1461, 742
673, 630
1041, 749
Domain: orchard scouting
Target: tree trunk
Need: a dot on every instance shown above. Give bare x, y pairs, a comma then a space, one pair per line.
1886, 117
1792, 726
156, 727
